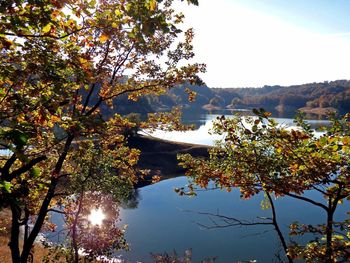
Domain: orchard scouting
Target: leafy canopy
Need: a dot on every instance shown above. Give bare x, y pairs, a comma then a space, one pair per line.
61, 62
259, 155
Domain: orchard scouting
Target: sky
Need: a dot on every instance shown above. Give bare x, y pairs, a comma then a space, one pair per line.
252, 43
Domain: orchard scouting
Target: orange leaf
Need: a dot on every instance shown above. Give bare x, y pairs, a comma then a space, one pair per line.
104, 38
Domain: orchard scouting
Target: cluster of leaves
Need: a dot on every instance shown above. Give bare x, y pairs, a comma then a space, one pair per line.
95, 240
259, 155
61, 62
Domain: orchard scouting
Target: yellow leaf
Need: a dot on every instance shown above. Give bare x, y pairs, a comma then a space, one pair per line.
46, 28
346, 140
83, 60
152, 5
21, 118
118, 13
104, 38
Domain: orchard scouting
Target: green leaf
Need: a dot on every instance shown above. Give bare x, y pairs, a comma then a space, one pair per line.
265, 203
35, 172
18, 137
323, 141
92, 3
6, 186
128, 7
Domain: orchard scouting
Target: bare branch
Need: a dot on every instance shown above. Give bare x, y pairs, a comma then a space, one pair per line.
86, 103
318, 190
227, 221
307, 200
56, 211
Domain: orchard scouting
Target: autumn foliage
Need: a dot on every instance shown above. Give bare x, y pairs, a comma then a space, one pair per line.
260, 156
61, 61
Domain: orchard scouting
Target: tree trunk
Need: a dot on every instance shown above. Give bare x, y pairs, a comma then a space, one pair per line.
329, 229
74, 229
277, 228
46, 203
329, 232
14, 242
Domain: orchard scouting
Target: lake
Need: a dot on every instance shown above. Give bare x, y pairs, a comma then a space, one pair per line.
203, 123
164, 221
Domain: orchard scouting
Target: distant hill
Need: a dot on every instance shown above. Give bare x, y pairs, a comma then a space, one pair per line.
313, 97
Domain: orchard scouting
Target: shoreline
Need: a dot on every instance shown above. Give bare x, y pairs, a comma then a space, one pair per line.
160, 156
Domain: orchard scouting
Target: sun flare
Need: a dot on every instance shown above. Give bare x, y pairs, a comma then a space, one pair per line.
96, 217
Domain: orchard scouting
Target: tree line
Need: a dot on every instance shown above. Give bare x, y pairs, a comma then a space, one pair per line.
333, 94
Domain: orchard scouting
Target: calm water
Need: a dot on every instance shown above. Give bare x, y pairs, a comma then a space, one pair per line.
204, 123
162, 221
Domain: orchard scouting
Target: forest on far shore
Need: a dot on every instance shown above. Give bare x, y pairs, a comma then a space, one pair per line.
318, 98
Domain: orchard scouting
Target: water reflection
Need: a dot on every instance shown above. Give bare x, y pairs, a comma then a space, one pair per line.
162, 223
204, 123
200, 116
132, 201
88, 223
158, 222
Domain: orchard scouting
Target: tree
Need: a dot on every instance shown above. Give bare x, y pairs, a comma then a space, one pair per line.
236, 102
260, 156
61, 62
216, 101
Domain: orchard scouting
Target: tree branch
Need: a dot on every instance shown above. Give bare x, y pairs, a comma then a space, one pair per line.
56, 211
101, 99
307, 200
43, 35
277, 228
6, 94
86, 103
47, 200
117, 68
318, 190
228, 221
24, 168
6, 168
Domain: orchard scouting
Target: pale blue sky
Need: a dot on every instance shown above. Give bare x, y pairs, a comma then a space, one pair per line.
324, 16
271, 42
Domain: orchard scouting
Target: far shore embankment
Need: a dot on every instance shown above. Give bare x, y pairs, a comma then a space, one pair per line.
160, 156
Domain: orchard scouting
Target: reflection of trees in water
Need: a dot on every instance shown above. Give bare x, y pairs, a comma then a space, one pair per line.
174, 257
132, 200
